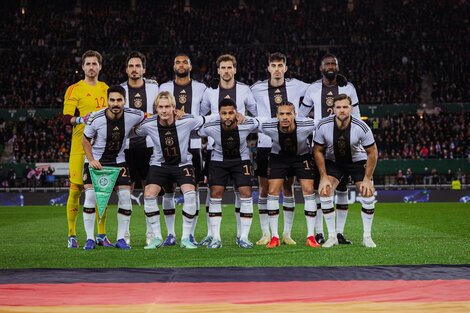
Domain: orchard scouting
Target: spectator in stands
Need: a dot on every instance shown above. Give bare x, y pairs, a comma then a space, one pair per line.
427, 177
435, 177
400, 178
12, 177
409, 177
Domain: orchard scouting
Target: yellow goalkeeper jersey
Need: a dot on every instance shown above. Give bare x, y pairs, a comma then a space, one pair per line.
79, 100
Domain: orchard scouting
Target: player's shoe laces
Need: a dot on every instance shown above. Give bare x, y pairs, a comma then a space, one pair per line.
332, 241
275, 242
342, 240
89, 245
311, 242
319, 238
154, 243
170, 240
102, 240
148, 237
187, 244
193, 240
127, 237
215, 244
368, 242
72, 242
244, 243
264, 240
286, 239
121, 244
205, 241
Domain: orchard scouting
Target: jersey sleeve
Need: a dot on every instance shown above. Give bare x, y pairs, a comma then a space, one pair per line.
307, 103
90, 131
250, 103
205, 103
318, 138
367, 140
141, 130
70, 100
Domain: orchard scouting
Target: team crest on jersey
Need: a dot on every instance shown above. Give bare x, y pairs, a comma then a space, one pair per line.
329, 99
277, 96
182, 98
169, 141
137, 103
341, 145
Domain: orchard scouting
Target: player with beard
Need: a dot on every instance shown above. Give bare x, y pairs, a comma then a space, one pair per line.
268, 95
227, 88
319, 98
140, 95
87, 95
188, 96
109, 131
230, 161
345, 145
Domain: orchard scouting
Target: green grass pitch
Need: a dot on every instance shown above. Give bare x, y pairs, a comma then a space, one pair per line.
421, 233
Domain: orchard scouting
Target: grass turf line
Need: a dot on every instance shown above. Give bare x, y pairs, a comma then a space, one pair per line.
420, 233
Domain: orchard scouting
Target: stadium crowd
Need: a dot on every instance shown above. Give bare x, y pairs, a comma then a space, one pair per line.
421, 58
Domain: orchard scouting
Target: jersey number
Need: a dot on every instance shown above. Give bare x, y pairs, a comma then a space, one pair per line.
187, 172
102, 101
171, 152
307, 166
124, 172
247, 170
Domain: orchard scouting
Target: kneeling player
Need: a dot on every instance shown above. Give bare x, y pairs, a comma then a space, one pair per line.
345, 145
170, 162
109, 130
290, 156
230, 160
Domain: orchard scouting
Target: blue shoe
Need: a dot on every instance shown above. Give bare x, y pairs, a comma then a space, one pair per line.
245, 244
72, 242
205, 241
170, 240
121, 244
215, 244
193, 240
187, 244
89, 245
102, 240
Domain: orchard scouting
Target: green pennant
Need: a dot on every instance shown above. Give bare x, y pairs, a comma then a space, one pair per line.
103, 183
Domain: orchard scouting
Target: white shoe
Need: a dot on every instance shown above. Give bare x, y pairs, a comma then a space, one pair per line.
127, 237
264, 240
332, 241
368, 242
148, 238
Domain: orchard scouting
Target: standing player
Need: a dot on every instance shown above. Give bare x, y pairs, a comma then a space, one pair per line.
344, 145
290, 155
230, 160
170, 162
319, 98
88, 95
268, 95
140, 95
109, 131
228, 88
188, 95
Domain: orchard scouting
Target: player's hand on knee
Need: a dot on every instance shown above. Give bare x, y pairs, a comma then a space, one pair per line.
324, 189
366, 188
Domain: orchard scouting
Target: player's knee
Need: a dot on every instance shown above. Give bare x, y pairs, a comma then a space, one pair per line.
90, 200
124, 199
368, 203
326, 203
190, 206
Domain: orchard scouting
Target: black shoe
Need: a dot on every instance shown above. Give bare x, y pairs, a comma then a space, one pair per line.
342, 240
319, 238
